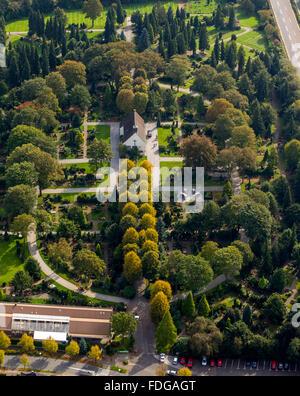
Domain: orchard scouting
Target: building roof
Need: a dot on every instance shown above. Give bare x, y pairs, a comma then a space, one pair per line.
134, 123
44, 335
82, 321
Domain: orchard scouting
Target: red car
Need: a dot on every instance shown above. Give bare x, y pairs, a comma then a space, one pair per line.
212, 363
190, 363
182, 361
220, 363
273, 365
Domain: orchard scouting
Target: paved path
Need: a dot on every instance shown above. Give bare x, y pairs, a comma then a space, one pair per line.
171, 159
34, 252
128, 31
79, 190
236, 182
59, 366
152, 152
214, 283
289, 29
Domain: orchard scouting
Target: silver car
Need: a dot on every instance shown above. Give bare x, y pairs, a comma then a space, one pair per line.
162, 357
175, 360
204, 361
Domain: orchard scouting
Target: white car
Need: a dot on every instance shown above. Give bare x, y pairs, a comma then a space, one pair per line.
162, 357
172, 372
175, 360
204, 361
136, 317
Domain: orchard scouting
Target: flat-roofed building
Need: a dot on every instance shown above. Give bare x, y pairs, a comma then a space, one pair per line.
57, 322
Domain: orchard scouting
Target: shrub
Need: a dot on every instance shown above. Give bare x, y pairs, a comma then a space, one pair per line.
129, 292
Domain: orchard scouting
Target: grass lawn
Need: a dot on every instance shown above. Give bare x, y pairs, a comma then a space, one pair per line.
171, 164
163, 135
10, 263
254, 40
70, 197
86, 167
21, 25
201, 7
103, 132
77, 17
246, 20
147, 7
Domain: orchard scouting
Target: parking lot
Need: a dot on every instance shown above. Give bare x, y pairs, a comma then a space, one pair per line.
234, 367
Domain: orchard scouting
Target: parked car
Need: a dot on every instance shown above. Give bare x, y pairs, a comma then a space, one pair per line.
273, 365
171, 372
212, 363
162, 357
190, 363
286, 366
182, 361
280, 366
175, 360
248, 364
136, 317
204, 361
254, 365
220, 363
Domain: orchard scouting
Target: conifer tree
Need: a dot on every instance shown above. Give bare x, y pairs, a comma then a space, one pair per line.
203, 307
166, 334
188, 306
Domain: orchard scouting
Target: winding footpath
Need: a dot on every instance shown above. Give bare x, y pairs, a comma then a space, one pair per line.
34, 252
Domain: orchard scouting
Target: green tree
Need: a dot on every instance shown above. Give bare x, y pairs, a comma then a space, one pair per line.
73, 72
93, 9
188, 306
293, 351
206, 338
99, 152
83, 347
88, 264
23, 224
278, 280
57, 83
227, 261
20, 199
292, 153
203, 306
33, 268
247, 315
22, 173
22, 281
80, 97
275, 309
123, 324
46, 166
178, 69
166, 333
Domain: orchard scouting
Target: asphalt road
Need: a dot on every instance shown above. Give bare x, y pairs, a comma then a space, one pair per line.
289, 29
